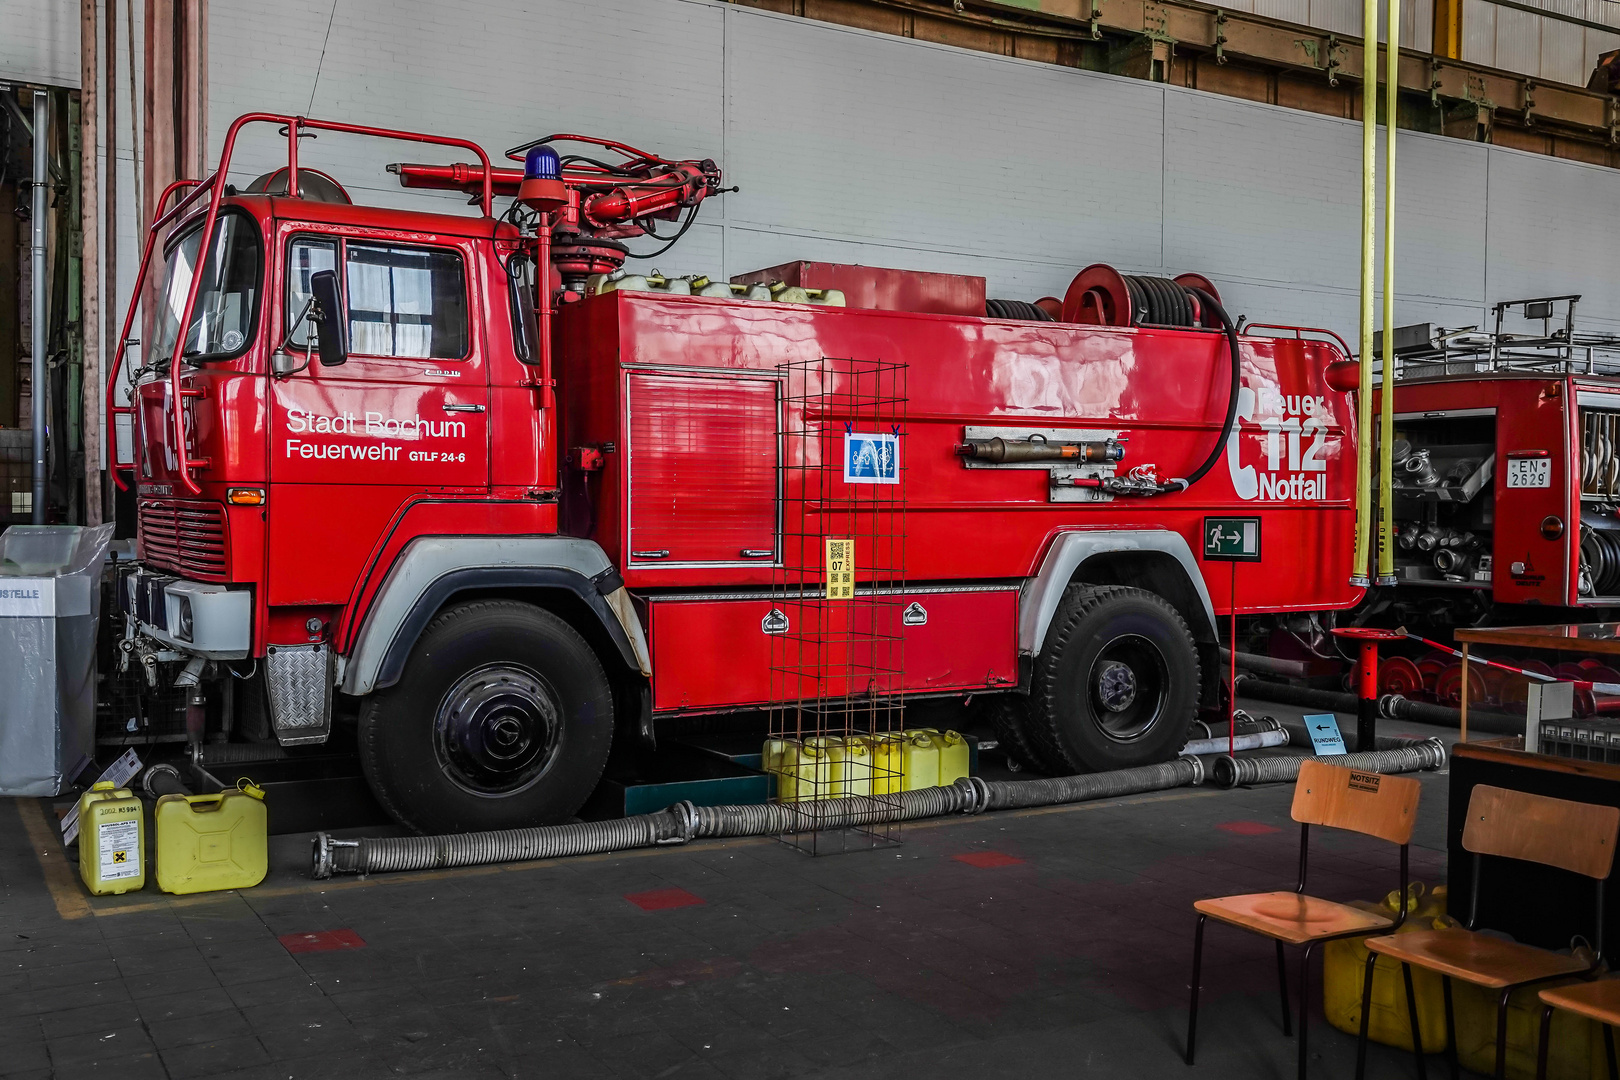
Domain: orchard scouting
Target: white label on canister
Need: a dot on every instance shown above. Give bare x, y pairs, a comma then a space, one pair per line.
120, 849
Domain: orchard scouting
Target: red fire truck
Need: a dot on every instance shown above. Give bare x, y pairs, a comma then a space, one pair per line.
1506, 482
461, 481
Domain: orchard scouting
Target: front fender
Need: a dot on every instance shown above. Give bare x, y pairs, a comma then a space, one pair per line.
1038, 600
433, 569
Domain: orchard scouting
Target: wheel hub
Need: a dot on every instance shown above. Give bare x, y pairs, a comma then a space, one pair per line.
1116, 686
497, 729
1128, 683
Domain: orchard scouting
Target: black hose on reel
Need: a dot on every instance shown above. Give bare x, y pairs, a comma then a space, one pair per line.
1015, 309
1157, 301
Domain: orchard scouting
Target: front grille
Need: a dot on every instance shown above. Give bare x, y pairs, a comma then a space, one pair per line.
187, 538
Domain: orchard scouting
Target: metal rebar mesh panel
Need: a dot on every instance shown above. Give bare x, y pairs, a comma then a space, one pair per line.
837, 650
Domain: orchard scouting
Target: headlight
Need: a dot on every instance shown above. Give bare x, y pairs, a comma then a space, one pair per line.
183, 631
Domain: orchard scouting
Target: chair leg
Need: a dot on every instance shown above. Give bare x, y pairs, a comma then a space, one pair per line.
1366, 1016
1282, 990
1451, 1028
1192, 1006
1501, 1034
1304, 1004
1546, 1042
1608, 1049
1412, 1018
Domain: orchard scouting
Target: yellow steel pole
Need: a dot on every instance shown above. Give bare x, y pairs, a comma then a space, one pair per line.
1359, 570
1386, 411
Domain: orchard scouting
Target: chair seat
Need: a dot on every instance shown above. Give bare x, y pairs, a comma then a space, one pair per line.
1598, 1001
1475, 958
1292, 917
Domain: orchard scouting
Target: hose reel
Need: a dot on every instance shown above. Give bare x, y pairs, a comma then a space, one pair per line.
1099, 295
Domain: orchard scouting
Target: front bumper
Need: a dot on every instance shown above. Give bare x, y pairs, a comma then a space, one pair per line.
192, 617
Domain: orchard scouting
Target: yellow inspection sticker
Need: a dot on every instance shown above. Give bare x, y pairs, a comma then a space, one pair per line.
840, 569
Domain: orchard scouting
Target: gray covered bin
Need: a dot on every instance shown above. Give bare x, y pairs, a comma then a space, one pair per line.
50, 597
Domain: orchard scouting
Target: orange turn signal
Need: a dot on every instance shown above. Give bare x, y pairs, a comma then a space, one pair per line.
245, 496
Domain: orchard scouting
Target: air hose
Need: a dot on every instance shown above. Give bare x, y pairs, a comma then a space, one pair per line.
1015, 309
683, 821
1213, 305
1416, 754
1393, 706
1161, 298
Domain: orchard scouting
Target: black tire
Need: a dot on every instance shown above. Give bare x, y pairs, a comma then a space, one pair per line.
1008, 715
502, 719
1116, 684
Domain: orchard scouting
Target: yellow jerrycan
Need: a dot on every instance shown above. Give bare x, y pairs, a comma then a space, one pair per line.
852, 767
112, 840
919, 760
210, 842
773, 754
816, 779
888, 765
785, 758
953, 757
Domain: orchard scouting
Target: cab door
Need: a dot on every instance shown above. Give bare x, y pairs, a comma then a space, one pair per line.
406, 417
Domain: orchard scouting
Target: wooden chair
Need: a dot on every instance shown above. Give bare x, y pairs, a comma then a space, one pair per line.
1599, 1001
1380, 806
1579, 837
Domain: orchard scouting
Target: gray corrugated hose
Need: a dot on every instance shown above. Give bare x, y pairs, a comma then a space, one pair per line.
1415, 754
683, 821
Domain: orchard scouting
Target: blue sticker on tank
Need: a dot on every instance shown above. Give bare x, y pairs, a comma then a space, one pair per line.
871, 458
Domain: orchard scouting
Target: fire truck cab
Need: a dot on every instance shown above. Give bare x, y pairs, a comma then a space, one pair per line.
461, 482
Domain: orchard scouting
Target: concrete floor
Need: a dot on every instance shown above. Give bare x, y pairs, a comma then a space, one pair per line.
1051, 942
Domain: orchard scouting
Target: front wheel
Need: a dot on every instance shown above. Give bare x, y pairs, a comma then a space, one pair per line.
1116, 683
502, 719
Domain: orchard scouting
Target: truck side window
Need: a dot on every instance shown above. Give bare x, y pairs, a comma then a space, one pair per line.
405, 302
520, 273
306, 257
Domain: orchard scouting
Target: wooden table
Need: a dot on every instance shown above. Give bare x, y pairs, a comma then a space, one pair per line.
1545, 907
1598, 638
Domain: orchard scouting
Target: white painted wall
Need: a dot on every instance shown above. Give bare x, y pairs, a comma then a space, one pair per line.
39, 42
859, 147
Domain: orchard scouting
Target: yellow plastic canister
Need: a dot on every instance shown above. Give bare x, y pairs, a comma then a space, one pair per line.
953, 757
112, 840
852, 767
211, 842
1344, 967
783, 758
1575, 1044
816, 780
888, 766
919, 761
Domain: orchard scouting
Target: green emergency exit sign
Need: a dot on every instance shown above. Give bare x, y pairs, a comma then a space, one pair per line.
1232, 539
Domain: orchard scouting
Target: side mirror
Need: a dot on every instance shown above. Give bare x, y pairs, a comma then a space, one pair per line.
331, 321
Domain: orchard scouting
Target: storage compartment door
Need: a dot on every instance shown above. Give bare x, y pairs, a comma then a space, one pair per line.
703, 454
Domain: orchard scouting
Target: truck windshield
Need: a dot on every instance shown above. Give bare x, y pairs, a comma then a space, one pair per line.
227, 303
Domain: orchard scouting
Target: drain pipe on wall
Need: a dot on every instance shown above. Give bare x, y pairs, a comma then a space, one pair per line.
40, 289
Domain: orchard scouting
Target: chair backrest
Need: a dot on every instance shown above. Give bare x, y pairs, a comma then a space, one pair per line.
1363, 802
1573, 836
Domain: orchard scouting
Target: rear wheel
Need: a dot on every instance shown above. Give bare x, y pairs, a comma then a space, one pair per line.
1116, 683
502, 719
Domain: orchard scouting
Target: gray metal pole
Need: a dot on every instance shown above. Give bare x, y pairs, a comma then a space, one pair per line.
41, 289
